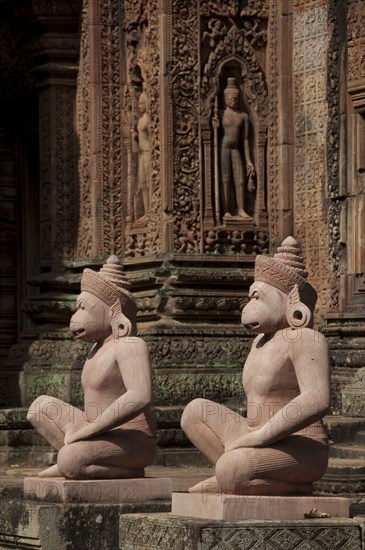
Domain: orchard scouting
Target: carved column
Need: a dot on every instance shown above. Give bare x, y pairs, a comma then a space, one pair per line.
45, 349
206, 159
103, 191
281, 166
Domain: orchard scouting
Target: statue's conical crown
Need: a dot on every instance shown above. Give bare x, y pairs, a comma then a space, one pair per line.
109, 284
289, 254
285, 270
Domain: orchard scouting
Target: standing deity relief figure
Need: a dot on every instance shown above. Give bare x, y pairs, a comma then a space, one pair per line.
281, 447
235, 141
115, 435
142, 141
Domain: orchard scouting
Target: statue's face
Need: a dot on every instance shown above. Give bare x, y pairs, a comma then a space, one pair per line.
231, 99
91, 320
266, 310
142, 105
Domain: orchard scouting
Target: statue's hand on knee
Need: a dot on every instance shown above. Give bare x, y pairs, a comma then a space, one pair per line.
72, 430
252, 439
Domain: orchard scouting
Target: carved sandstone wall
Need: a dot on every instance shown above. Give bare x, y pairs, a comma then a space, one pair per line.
310, 55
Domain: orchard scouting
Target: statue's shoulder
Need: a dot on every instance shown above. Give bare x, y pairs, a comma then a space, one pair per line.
133, 343
312, 333
129, 347
308, 337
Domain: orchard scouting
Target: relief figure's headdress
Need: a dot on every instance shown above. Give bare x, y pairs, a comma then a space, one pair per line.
231, 87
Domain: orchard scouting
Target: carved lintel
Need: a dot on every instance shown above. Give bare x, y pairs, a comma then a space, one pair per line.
356, 89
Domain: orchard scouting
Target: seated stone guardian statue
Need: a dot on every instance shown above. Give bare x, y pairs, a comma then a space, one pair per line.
281, 447
115, 435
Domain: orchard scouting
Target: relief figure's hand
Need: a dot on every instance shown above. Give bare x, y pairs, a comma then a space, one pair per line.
250, 169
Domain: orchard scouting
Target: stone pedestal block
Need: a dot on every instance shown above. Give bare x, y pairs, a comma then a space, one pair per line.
237, 507
97, 491
163, 532
56, 526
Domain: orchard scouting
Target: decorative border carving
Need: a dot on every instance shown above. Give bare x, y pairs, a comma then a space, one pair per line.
186, 183
85, 240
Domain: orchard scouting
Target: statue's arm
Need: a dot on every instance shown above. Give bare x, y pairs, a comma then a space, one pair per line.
311, 362
134, 362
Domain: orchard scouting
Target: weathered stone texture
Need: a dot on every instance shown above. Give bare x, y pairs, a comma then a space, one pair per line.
162, 532
310, 45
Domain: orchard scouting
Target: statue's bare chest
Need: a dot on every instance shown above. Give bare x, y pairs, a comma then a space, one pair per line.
101, 371
232, 119
268, 369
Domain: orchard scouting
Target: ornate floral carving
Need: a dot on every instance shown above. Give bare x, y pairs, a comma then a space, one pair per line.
334, 213
185, 116
99, 127
273, 164
235, 242
258, 8
65, 174
85, 242
134, 12
202, 305
333, 147
216, 7
110, 217
195, 349
355, 19
333, 98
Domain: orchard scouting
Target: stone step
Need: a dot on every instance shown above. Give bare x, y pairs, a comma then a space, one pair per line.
345, 476
344, 429
172, 437
348, 451
21, 438
360, 439
175, 456
15, 419
35, 456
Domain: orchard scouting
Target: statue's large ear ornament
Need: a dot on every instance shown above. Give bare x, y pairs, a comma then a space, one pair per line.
298, 315
120, 324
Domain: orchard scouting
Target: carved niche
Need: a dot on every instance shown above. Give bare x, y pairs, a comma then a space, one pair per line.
234, 127
183, 63
141, 127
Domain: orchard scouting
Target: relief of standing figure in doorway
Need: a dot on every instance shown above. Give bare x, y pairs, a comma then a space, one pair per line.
237, 170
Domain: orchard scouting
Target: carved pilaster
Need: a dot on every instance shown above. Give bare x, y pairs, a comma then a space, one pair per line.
102, 190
